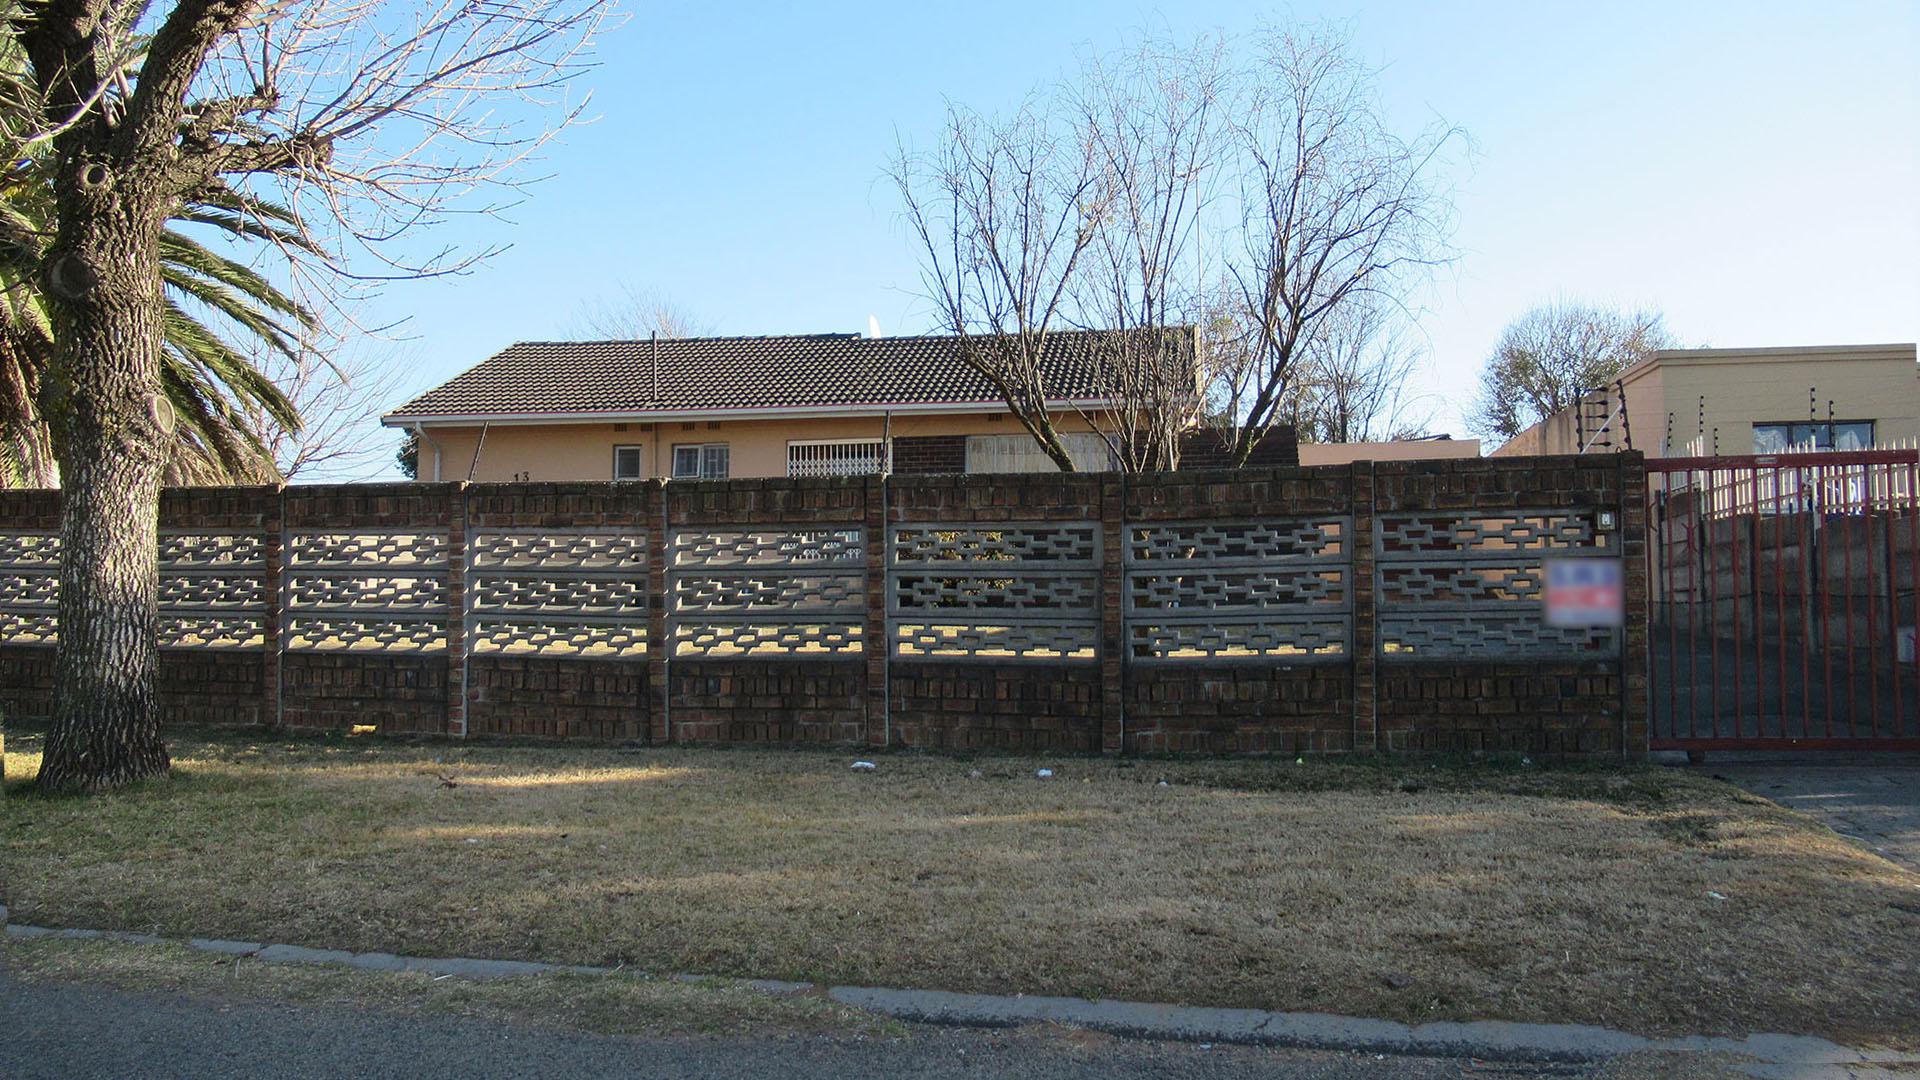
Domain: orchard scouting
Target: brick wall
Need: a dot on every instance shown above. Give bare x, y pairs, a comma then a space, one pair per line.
933, 455
850, 685
1564, 708
769, 701
1248, 705
1203, 451
397, 693
530, 697
929, 455
26, 672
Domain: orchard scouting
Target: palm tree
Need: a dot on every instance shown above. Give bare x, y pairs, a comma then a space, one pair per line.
217, 310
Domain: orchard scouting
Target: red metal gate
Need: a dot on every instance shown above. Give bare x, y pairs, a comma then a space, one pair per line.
1784, 605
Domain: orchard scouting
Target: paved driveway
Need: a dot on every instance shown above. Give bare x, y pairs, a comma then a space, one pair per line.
1873, 802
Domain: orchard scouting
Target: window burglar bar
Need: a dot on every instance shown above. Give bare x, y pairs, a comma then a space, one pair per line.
836, 457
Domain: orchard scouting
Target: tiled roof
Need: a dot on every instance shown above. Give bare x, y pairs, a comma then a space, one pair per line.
674, 375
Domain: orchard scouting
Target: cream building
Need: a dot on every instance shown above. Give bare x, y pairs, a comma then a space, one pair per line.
1730, 402
797, 405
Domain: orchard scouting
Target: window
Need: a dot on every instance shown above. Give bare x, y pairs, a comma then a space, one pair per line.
1022, 453
626, 463
700, 461
1836, 435
844, 457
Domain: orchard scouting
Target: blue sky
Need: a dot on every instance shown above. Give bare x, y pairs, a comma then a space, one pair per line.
1751, 169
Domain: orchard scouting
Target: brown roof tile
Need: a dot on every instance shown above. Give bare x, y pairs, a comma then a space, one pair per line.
734, 373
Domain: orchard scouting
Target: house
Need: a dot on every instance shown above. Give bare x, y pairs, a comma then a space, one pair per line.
797, 405
1427, 448
1714, 402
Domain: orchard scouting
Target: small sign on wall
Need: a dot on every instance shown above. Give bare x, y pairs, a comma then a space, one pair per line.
1585, 593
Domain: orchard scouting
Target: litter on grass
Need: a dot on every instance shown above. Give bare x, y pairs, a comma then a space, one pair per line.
864, 766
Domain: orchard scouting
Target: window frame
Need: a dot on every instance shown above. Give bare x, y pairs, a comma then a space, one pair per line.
639, 461
704, 454
1820, 445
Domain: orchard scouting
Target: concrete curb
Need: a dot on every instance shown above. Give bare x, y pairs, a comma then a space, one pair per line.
1785, 1055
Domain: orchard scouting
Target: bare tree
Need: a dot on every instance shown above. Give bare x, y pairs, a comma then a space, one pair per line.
1353, 381
340, 396
1108, 220
635, 315
1153, 119
1335, 209
1003, 211
368, 120
1549, 356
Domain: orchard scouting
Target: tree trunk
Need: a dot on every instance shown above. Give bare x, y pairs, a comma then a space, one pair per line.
109, 426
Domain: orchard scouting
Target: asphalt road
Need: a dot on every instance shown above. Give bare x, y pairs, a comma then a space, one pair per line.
73, 1032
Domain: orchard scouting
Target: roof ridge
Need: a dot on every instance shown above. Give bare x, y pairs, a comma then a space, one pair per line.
828, 334
835, 370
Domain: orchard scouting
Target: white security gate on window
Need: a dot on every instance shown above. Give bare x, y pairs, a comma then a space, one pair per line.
836, 457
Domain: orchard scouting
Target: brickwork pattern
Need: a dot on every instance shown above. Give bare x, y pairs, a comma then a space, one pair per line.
929, 455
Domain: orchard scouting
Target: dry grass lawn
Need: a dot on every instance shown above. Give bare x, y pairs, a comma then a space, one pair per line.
1643, 899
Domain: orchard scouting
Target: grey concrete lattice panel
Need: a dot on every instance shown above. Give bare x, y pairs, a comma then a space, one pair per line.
1304, 637
367, 592
568, 594
1268, 589
27, 628
389, 551
1057, 596
1470, 584
1224, 542
708, 549
533, 637
556, 597
1020, 590
719, 640
212, 551
29, 589
235, 631
1480, 635
548, 552
29, 549
351, 634
766, 593
695, 595
1013, 544
1415, 583
1488, 533
212, 590
976, 641
1192, 591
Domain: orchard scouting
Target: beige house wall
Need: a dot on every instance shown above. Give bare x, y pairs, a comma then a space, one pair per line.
1725, 392
1742, 390
1409, 450
756, 448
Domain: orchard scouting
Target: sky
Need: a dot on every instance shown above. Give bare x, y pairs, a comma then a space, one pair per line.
1750, 169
